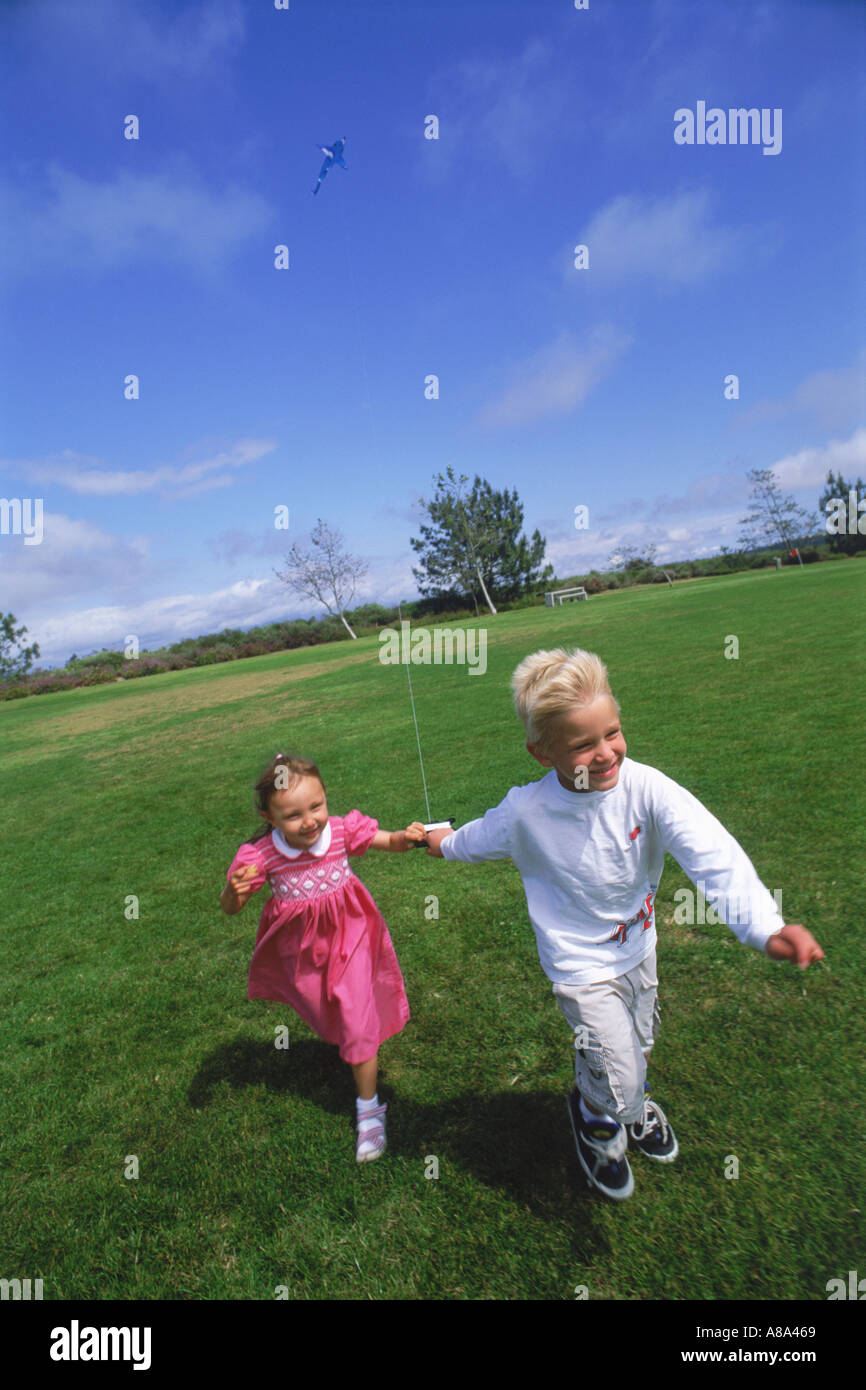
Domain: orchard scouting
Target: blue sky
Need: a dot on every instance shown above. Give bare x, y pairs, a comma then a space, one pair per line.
305, 387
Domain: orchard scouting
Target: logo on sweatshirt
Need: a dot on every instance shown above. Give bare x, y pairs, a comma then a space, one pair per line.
645, 915
634, 833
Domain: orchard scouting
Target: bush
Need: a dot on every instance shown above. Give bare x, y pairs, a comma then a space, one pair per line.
522, 601
47, 682
145, 666
594, 583
202, 656
229, 637
445, 605
372, 615
105, 658
95, 675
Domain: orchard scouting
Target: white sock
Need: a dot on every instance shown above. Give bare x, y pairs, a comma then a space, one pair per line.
364, 1108
589, 1117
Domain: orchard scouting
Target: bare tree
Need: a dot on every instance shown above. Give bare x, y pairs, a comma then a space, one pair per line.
774, 517
325, 573
631, 559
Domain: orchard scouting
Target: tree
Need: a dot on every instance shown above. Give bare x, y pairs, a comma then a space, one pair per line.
845, 537
774, 518
14, 663
474, 542
632, 559
731, 557
324, 573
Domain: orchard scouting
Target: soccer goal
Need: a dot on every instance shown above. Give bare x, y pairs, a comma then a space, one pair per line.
559, 596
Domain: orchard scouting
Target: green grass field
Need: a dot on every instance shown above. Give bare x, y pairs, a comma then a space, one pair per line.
135, 1037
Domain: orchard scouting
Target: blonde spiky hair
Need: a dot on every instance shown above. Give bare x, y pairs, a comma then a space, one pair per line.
546, 684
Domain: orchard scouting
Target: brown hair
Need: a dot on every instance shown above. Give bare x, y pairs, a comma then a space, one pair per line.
281, 774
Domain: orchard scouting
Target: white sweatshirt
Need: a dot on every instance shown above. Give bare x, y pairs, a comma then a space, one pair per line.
591, 863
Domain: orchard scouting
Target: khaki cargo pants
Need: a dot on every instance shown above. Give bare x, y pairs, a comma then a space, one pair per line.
614, 1023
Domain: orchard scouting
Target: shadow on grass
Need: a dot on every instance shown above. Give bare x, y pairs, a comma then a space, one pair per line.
516, 1142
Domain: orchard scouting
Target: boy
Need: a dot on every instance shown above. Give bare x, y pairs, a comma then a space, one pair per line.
589, 840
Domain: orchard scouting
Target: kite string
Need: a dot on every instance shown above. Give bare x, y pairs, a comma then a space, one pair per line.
415, 718
349, 259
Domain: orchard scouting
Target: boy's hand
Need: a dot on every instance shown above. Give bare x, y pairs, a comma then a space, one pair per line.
794, 942
434, 840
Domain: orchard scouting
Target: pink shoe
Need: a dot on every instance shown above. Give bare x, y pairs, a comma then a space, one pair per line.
371, 1143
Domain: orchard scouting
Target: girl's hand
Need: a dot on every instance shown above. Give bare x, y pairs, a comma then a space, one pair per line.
401, 840
794, 942
398, 841
238, 888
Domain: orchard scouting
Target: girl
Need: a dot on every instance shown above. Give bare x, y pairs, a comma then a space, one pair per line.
322, 944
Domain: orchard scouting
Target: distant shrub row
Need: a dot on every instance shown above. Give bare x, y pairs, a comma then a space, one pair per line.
596, 582
232, 644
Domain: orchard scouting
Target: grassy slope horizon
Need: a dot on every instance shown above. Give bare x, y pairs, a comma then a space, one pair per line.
134, 1036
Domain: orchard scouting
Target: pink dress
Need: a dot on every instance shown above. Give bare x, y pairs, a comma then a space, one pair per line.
322, 944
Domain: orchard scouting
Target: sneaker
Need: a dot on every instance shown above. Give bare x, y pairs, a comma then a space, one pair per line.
601, 1149
652, 1134
371, 1140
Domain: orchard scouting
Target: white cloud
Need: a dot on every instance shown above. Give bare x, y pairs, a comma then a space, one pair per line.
78, 473
247, 602
555, 380
705, 516
703, 494
503, 111
809, 467
834, 397
236, 542
69, 221
73, 558
703, 534
156, 621
670, 239
138, 39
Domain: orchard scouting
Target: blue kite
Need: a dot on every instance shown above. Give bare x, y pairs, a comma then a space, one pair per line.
333, 155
